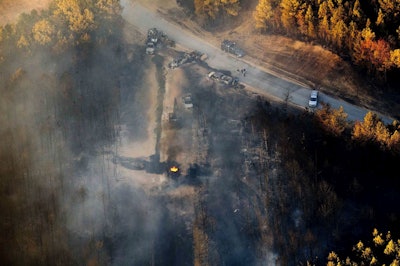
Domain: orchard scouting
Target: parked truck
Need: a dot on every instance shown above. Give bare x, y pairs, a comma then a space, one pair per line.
232, 48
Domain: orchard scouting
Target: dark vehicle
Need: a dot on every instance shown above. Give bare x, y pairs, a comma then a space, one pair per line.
152, 35
228, 80
232, 48
187, 101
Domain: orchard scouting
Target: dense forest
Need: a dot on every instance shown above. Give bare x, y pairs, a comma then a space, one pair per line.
365, 32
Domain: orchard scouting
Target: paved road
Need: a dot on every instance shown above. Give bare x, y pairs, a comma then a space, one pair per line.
256, 77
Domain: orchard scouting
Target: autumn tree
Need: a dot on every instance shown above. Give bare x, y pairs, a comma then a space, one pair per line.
389, 12
372, 129
109, 18
395, 57
382, 134
289, 9
380, 57
211, 9
20, 34
309, 19
43, 32
365, 131
380, 20
390, 137
394, 141
231, 7
323, 18
371, 53
333, 120
25, 22
263, 14
353, 34
78, 17
302, 23
356, 12
23, 42
111, 8
338, 27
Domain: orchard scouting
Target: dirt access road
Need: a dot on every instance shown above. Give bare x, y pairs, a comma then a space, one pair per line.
267, 82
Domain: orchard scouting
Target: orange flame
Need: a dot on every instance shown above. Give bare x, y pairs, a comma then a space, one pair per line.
174, 169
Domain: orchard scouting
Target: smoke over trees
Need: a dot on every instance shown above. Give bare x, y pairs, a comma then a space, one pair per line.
49, 102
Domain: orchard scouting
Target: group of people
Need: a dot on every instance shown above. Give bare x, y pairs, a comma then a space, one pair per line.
243, 71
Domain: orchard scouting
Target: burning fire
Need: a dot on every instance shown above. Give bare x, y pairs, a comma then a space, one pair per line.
174, 169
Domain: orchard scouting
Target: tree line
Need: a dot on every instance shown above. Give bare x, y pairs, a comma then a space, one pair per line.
371, 130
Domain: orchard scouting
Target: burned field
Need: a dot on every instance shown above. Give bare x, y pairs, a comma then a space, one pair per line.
193, 183
88, 154
208, 141
250, 187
